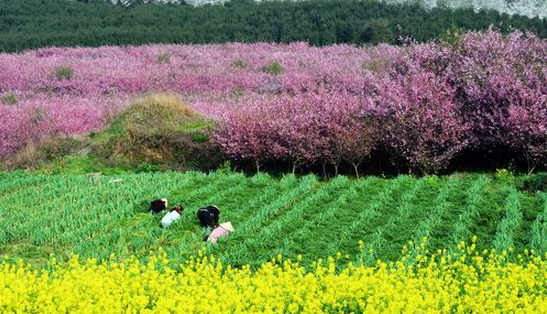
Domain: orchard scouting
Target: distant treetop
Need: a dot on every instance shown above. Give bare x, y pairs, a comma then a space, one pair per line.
529, 8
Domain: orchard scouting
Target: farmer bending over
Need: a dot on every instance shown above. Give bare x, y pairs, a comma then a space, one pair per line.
208, 216
158, 205
220, 231
172, 216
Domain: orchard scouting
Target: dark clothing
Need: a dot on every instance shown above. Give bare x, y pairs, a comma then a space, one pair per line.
208, 216
157, 206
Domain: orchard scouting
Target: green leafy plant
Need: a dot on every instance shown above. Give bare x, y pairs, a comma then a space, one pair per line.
147, 167
225, 168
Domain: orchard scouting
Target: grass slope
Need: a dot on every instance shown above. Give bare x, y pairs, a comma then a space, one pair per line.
41, 214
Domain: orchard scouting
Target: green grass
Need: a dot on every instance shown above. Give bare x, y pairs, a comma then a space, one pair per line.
60, 214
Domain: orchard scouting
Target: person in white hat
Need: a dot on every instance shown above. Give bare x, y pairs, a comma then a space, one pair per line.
220, 231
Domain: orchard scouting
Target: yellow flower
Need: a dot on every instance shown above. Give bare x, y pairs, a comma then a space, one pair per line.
438, 283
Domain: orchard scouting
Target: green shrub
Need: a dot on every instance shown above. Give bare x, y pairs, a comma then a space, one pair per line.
452, 36
535, 183
225, 168
200, 137
9, 99
273, 68
146, 167
64, 72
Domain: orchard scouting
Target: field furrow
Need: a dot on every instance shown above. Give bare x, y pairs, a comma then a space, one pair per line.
472, 210
268, 238
511, 219
376, 243
440, 205
11, 184
369, 214
315, 231
539, 228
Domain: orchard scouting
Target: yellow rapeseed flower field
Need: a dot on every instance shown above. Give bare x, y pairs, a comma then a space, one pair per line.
463, 282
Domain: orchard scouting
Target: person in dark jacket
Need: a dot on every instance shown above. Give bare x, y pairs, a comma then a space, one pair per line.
208, 216
156, 206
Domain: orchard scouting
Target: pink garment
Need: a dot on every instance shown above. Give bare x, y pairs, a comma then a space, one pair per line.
217, 233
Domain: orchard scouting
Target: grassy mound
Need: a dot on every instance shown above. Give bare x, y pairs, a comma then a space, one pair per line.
97, 216
157, 129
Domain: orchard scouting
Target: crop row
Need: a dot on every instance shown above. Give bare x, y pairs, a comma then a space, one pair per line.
292, 216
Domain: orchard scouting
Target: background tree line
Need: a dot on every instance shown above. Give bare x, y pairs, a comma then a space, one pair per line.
27, 24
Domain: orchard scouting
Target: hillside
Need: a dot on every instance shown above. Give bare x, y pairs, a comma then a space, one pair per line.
292, 216
318, 22
530, 8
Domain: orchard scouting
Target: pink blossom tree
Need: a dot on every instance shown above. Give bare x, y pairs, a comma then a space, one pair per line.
420, 125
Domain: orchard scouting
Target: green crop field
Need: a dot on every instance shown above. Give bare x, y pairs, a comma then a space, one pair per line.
62, 214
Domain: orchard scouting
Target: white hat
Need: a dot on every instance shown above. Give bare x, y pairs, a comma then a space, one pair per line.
228, 226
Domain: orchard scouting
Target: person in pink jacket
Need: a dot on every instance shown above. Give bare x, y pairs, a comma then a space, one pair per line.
220, 231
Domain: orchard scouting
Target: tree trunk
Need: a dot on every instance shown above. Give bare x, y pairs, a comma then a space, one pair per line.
335, 170
531, 169
356, 169
324, 165
257, 165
